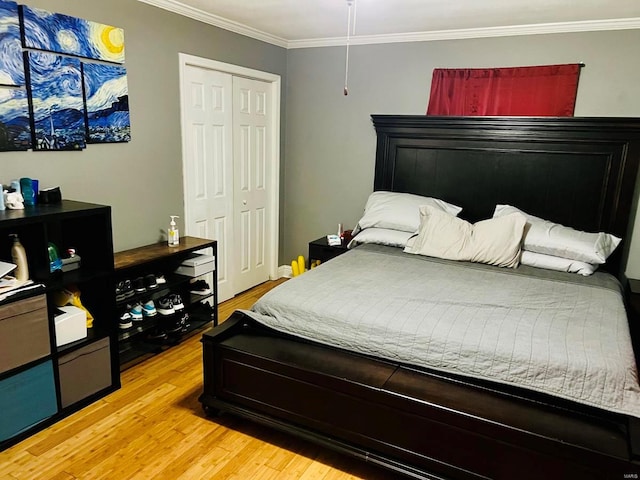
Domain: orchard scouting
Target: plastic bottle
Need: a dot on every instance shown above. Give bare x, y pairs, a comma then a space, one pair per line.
173, 236
19, 257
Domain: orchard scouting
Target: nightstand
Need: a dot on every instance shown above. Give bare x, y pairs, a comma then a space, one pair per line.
321, 250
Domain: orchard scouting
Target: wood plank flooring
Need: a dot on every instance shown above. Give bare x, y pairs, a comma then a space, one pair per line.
154, 428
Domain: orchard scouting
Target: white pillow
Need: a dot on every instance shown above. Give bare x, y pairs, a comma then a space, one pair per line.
381, 236
398, 211
554, 239
559, 264
496, 241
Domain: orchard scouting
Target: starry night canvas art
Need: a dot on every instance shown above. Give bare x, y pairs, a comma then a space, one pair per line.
107, 103
62, 82
58, 33
11, 60
15, 130
55, 85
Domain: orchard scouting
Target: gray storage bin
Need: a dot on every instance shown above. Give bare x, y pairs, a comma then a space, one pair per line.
24, 330
84, 372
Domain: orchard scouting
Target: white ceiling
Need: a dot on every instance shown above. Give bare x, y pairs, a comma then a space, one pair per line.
307, 23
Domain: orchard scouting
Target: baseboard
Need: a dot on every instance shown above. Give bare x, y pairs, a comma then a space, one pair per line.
285, 271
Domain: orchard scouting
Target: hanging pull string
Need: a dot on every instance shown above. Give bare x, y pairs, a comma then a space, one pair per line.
351, 29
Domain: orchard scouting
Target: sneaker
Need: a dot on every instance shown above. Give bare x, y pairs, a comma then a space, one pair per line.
149, 309
184, 323
138, 285
165, 306
177, 301
125, 321
120, 291
174, 325
135, 311
123, 290
160, 280
128, 289
156, 336
200, 287
150, 281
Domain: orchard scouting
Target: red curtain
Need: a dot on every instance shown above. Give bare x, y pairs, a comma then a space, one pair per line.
548, 90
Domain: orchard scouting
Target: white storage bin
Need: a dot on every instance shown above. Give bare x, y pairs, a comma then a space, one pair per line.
196, 265
71, 325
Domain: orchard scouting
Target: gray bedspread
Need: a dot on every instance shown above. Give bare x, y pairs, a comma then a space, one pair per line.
557, 333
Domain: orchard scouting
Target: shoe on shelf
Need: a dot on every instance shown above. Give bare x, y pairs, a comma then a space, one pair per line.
177, 301
160, 280
125, 321
174, 325
124, 290
128, 289
135, 311
165, 306
150, 281
184, 324
149, 309
120, 291
138, 285
200, 287
156, 336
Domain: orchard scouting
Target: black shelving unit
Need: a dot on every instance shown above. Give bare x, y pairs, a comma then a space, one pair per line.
145, 338
40, 382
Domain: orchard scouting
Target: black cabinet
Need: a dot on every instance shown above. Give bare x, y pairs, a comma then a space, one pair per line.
152, 268
43, 377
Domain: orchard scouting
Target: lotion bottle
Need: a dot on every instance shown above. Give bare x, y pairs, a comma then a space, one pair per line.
173, 236
19, 257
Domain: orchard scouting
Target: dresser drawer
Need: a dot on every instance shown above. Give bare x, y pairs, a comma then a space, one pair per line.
24, 330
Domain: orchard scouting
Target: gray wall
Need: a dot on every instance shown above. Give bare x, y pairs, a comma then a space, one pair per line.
142, 179
330, 141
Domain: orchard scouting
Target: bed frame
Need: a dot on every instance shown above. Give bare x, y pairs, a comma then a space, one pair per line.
425, 424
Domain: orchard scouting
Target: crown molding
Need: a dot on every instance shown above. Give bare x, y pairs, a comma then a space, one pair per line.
460, 34
205, 17
507, 31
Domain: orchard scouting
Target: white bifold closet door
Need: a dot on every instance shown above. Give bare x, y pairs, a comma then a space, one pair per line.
227, 167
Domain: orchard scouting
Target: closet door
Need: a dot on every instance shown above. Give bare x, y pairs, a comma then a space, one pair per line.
207, 105
230, 172
252, 164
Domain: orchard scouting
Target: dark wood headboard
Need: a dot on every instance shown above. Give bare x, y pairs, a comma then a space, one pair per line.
577, 171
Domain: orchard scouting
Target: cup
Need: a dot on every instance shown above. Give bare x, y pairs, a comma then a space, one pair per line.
35, 187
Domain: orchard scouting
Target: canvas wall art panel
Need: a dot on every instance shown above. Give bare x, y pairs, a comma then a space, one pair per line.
106, 103
15, 130
11, 59
57, 106
58, 33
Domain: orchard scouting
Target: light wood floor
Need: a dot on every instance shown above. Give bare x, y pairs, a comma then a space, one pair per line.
154, 428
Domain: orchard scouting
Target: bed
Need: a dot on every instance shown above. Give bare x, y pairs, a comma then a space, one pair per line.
417, 399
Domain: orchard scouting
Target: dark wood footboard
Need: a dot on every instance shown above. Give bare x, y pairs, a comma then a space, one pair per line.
420, 424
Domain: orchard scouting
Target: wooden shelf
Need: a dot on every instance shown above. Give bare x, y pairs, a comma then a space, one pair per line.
156, 252
154, 259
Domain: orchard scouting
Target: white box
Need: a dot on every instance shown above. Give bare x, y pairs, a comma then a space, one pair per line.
196, 264
71, 325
